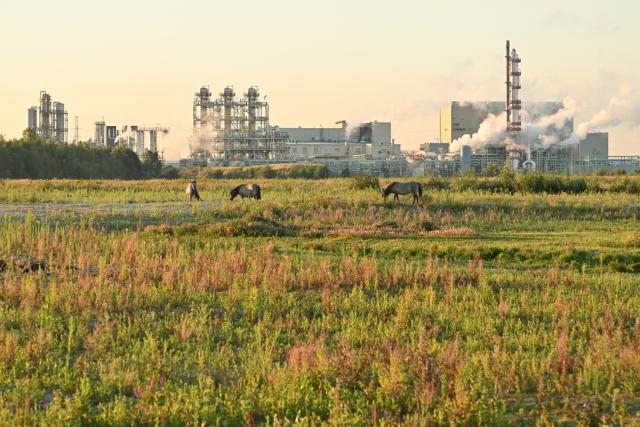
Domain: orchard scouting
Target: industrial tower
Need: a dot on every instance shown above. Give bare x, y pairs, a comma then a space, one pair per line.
230, 128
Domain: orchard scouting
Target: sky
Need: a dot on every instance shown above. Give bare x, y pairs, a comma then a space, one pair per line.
140, 62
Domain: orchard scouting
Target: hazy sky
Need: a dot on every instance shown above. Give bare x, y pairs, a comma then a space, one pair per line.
140, 62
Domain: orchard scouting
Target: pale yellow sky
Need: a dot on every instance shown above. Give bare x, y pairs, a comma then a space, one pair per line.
141, 62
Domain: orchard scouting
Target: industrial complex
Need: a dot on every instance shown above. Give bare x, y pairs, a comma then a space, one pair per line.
138, 139
234, 129
50, 121
229, 131
547, 148
525, 136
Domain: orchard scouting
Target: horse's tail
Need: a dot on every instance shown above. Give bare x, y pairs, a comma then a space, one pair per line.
258, 195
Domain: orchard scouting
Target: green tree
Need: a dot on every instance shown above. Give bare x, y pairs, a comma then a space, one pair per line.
151, 165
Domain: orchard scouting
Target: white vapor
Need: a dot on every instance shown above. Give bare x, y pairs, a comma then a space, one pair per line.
620, 111
540, 128
201, 139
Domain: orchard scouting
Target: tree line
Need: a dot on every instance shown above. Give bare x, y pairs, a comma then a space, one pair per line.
31, 157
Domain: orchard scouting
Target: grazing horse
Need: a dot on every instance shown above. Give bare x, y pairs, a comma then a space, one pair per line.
192, 191
244, 190
403, 188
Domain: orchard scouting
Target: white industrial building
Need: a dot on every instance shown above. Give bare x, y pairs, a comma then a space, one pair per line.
367, 141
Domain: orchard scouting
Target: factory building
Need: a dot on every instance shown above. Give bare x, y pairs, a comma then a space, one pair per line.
49, 120
366, 141
595, 146
319, 134
99, 134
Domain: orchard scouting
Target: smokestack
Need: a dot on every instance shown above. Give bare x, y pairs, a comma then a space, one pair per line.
508, 83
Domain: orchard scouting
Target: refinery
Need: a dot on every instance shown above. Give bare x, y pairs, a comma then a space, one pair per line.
50, 121
231, 129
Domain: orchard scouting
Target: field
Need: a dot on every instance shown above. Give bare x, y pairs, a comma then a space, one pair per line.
121, 304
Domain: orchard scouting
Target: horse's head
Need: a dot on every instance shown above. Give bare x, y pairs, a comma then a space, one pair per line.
386, 190
234, 192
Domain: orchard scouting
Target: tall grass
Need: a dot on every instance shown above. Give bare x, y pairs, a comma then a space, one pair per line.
320, 304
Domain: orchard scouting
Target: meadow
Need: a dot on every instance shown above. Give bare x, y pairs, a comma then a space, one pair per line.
320, 304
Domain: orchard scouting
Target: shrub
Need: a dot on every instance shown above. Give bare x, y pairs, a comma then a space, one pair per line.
268, 173
363, 182
491, 170
170, 173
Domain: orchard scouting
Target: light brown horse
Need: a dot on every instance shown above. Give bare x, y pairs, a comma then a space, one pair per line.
403, 188
192, 191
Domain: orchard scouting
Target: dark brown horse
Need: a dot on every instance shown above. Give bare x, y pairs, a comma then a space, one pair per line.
244, 190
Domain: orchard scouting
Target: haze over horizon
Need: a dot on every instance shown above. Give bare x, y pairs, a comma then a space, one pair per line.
140, 63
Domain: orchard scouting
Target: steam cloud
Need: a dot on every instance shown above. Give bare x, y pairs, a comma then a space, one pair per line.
201, 139
543, 129
618, 112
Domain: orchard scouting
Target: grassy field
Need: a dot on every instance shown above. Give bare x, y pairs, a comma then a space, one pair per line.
121, 304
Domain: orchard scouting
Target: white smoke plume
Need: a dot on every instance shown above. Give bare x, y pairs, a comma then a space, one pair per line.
201, 138
491, 130
541, 127
620, 111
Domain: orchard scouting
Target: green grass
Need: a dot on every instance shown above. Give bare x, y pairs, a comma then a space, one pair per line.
318, 304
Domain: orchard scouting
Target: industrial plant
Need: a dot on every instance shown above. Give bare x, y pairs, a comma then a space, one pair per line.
49, 120
230, 128
534, 136
523, 136
138, 139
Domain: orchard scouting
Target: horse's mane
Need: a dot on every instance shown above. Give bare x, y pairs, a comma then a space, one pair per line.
388, 187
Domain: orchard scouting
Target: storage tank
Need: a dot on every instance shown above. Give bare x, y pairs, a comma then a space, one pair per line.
32, 118
139, 142
153, 141
60, 130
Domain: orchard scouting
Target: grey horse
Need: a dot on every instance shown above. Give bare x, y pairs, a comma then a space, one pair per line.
403, 188
192, 191
244, 190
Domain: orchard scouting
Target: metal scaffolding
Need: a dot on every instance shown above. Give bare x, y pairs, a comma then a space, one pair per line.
230, 128
50, 121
